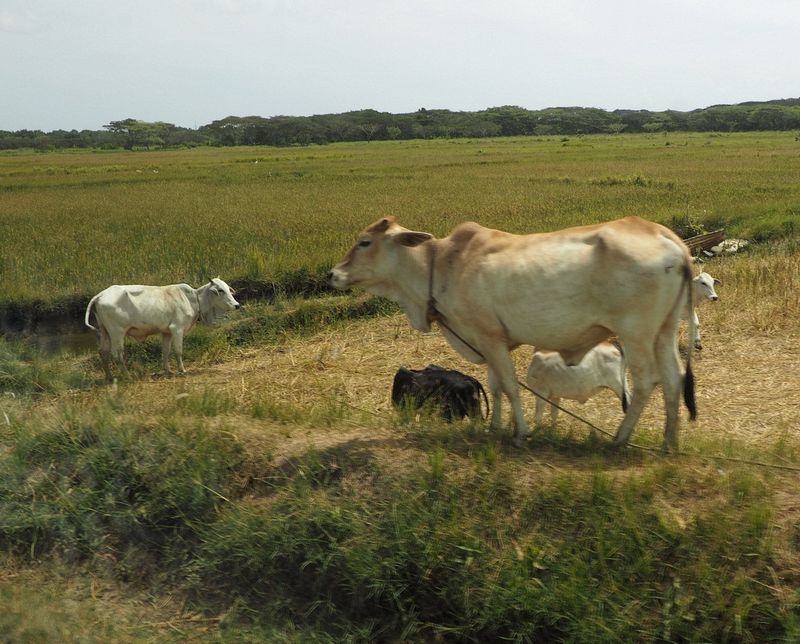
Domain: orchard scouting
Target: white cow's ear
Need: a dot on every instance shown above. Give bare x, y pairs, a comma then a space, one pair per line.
716, 281
412, 238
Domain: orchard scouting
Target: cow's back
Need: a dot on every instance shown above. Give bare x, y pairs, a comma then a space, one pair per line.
568, 288
141, 310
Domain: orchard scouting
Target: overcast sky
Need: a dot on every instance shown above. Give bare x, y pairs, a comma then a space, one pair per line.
79, 64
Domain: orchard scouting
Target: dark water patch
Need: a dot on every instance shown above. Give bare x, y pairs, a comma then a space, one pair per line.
52, 344
28, 316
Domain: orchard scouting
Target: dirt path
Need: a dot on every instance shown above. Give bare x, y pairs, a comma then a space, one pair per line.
748, 389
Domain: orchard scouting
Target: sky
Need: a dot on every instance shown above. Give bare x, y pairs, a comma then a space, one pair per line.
80, 64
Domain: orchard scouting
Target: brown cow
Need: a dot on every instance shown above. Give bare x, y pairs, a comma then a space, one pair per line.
562, 291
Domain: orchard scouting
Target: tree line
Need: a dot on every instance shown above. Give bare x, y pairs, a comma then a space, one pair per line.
369, 125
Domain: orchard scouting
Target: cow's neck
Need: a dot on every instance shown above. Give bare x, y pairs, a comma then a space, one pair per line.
204, 314
410, 286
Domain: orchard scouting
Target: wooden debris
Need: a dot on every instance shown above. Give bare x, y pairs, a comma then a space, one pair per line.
704, 242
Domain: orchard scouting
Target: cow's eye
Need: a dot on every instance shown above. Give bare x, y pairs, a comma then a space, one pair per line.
364, 243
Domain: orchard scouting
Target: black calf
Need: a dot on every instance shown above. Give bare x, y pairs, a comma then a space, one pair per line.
452, 393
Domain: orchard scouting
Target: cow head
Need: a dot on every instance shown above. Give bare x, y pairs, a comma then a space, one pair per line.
704, 287
372, 262
216, 299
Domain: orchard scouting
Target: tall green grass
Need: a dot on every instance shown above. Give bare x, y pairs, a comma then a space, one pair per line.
335, 545
78, 222
453, 548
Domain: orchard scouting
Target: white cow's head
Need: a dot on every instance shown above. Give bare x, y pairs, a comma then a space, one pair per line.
704, 287
372, 263
216, 299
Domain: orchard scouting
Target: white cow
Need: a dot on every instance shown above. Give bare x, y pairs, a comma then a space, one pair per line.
603, 367
562, 291
702, 290
141, 311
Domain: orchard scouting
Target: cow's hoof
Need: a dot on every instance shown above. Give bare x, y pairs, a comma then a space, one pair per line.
519, 441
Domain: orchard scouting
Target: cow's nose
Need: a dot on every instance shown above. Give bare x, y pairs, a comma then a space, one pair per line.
330, 276
715, 298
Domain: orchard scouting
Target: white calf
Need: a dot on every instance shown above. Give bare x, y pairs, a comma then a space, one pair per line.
702, 290
602, 367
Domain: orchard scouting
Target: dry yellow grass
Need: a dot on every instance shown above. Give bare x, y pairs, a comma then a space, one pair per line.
748, 387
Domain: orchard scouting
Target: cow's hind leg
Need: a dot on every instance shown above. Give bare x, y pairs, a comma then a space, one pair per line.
669, 367
166, 347
537, 419
105, 352
117, 346
642, 365
496, 392
554, 410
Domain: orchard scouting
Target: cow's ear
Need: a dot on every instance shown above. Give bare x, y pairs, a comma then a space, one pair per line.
412, 238
382, 225
718, 282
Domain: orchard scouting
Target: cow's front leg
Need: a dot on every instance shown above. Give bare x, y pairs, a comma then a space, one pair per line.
177, 345
500, 362
698, 343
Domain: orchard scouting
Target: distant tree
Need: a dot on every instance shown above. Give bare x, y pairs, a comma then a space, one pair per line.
137, 133
369, 130
769, 118
368, 124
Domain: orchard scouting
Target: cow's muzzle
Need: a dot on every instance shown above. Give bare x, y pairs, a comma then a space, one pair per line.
337, 280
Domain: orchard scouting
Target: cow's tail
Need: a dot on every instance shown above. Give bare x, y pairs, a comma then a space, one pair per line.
485, 399
623, 368
89, 312
688, 381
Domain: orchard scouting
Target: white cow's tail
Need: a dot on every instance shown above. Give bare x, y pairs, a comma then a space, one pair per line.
688, 382
89, 311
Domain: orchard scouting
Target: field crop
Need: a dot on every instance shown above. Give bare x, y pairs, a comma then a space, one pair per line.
272, 493
73, 223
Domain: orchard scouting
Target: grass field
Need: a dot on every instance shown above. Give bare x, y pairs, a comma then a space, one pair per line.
272, 494
73, 223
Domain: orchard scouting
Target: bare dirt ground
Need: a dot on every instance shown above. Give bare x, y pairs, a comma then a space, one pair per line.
748, 390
